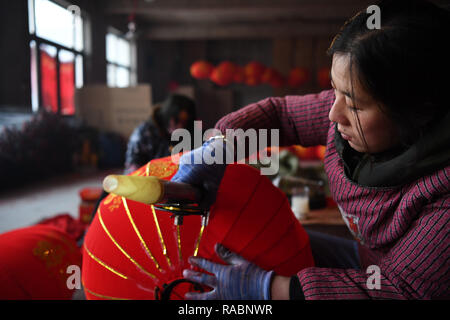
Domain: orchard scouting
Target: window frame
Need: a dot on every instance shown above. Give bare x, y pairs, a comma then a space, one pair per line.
39, 40
132, 68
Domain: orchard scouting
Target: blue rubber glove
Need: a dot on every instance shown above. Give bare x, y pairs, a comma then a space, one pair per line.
240, 280
196, 170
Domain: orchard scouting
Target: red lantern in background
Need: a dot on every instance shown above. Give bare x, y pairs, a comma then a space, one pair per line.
298, 77
253, 73
201, 69
323, 78
272, 77
239, 76
223, 74
277, 81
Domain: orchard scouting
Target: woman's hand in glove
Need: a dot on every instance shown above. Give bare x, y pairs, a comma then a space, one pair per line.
199, 169
240, 280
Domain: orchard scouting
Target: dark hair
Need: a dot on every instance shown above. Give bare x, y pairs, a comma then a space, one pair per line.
404, 65
171, 108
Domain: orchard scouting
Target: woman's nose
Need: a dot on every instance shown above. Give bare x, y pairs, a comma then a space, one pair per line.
338, 111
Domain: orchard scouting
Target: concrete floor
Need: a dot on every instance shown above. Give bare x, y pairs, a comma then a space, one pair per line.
25, 206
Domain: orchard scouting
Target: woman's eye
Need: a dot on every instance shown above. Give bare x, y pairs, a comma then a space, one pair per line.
354, 109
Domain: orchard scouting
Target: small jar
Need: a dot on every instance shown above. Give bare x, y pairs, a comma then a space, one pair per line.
300, 202
89, 198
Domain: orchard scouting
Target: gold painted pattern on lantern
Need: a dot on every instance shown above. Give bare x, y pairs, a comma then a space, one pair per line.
121, 249
114, 200
136, 230
101, 295
161, 169
161, 239
197, 245
50, 254
104, 265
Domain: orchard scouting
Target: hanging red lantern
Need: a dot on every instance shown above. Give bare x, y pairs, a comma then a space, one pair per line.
323, 78
268, 74
277, 81
223, 74
239, 76
298, 77
134, 251
201, 69
253, 73
272, 77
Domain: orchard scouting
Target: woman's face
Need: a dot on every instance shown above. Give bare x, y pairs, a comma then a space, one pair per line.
379, 131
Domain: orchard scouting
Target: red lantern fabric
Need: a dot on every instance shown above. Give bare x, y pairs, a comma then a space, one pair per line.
34, 262
133, 250
239, 75
298, 77
273, 78
253, 73
201, 69
223, 74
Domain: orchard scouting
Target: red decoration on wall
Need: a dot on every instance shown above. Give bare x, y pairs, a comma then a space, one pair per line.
67, 86
323, 78
48, 81
201, 69
298, 77
223, 74
253, 73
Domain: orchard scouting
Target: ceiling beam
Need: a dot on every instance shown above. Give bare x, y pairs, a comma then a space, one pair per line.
238, 31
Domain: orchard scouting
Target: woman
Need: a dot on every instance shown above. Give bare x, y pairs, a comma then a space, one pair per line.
386, 128
151, 139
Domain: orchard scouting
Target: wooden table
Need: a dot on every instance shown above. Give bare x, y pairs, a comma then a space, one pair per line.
327, 220
327, 216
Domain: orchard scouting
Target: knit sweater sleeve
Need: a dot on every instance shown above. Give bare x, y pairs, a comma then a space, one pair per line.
416, 267
301, 119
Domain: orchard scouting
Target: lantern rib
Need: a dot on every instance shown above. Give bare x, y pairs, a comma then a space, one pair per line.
121, 249
138, 234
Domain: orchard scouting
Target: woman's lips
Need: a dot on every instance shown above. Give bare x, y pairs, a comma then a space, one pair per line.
346, 137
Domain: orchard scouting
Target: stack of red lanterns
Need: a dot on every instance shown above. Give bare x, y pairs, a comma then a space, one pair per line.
255, 73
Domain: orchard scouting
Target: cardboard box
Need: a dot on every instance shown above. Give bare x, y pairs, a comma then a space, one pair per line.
118, 110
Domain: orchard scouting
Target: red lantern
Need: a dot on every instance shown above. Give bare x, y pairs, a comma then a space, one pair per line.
253, 73
134, 251
268, 75
201, 69
239, 75
35, 263
323, 78
298, 77
223, 74
272, 77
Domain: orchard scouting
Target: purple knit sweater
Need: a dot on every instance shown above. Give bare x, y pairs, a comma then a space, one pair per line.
403, 230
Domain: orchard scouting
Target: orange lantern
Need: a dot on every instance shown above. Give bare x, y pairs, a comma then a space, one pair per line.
253, 73
134, 251
323, 78
223, 74
201, 69
298, 77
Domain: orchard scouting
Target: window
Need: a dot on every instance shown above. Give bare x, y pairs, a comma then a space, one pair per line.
120, 61
56, 44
